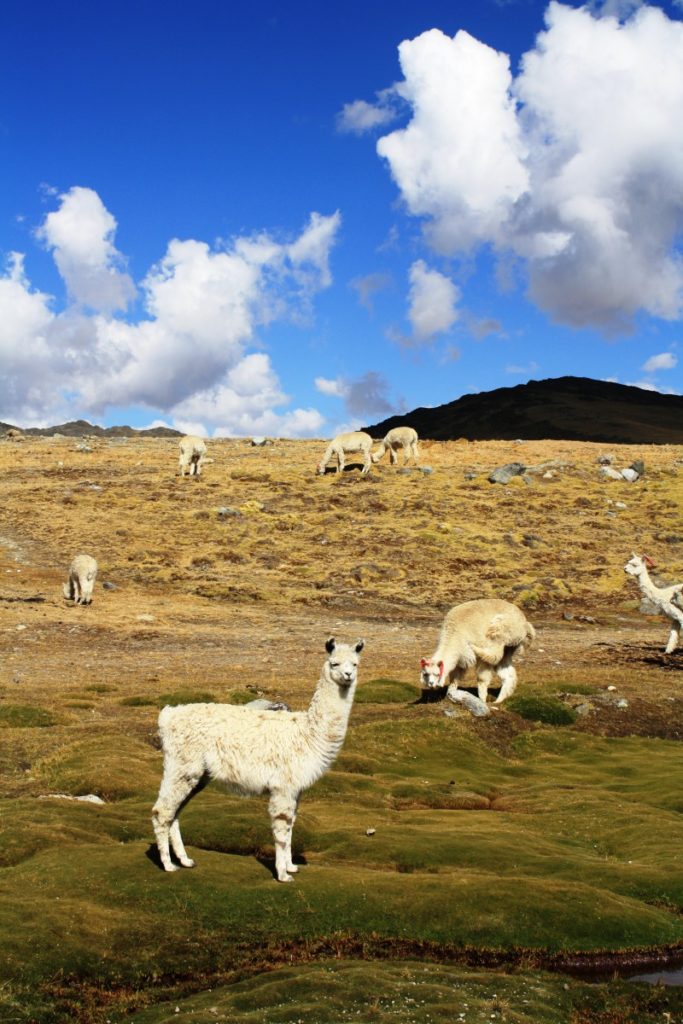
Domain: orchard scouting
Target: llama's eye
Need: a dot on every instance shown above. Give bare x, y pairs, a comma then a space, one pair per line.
334, 664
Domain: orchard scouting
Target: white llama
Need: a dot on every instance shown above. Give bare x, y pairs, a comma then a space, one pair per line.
484, 634
253, 752
669, 600
82, 575
192, 452
399, 437
355, 441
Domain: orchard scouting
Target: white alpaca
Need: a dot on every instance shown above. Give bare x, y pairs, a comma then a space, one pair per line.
399, 437
485, 634
355, 441
668, 599
253, 752
82, 575
192, 452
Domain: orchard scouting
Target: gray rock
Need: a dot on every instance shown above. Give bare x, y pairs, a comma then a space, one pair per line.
605, 460
630, 475
82, 448
470, 476
475, 706
404, 471
89, 798
145, 618
622, 703
567, 616
610, 474
638, 467
584, 709
427, 470
504, 474
261, 704
108, 586
225, 512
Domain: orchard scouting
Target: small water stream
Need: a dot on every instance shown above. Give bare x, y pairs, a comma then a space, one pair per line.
672, 976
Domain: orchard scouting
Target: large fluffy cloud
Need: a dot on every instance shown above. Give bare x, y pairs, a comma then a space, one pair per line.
433, 302
575, 166
188, 355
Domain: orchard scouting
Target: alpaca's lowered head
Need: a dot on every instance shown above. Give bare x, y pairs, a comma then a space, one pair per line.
431, 673
341, 666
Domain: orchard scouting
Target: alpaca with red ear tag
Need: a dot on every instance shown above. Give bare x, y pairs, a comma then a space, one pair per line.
484, 635
667, 600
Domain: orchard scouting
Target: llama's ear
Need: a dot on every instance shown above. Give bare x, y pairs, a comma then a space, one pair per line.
423, 662
330, 645
649, 561
360, 644
440, 664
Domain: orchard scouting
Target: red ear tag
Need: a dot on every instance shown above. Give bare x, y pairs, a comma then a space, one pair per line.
440, 664
423, 662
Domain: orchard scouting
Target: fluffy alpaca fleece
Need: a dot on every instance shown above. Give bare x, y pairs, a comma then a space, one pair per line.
669, 600
82, 575
355, 441
399, 437
192, 452
483, 634
280, 753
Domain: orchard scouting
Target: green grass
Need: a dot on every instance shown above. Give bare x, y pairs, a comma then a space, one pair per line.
22, 716
542, 709
386, 691
424, 836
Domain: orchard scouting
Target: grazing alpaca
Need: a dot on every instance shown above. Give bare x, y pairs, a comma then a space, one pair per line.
82, 575
355, 441
485, 634
252, 752
668, 600
399, 437
192, 452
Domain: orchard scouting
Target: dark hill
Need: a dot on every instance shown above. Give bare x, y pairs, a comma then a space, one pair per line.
563, 408
81, 428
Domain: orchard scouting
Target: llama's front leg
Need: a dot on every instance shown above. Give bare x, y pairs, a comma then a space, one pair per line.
508, 678
174, 793
282, 814
674, 637
393, 456
178, 846
340, 462
484, 677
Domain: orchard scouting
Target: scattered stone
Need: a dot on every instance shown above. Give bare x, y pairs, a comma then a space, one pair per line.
370, 831
550, 474
263, 704
610, 474
145, 618
638, 466
470, 476
567, 616
587, 618
504, 474
583, 709
622, 703
475, 706
611, 689
605, 460
108, 586
89, 798
404, 471
630, 475
260, 442
21, 626
82, 448
226, 512
426, 470
620, 504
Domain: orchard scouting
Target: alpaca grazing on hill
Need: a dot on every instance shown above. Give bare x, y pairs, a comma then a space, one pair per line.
400, 437
192, 453
669, 600
82, 575
280, 753
484, 634
354, 441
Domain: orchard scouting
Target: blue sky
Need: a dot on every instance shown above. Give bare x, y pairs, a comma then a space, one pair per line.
289, 219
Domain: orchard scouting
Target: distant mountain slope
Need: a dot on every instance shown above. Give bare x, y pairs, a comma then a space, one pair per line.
81, 428
561, 408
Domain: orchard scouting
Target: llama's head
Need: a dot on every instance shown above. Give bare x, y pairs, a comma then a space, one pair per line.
431, 673
377, 455
342, 661
637, 564
320, 469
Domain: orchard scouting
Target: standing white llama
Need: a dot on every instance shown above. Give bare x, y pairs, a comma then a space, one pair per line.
253, 752
669, 600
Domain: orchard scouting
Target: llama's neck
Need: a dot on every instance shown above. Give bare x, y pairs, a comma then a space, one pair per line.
328, 715
647, 586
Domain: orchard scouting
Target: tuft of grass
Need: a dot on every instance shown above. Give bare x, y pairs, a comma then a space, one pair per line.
239, 697
184, 697
386, 691
542, 709
138, 702
22, 716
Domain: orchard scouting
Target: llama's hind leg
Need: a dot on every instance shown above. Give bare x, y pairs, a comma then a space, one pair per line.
282, 816
174, 793
674, 637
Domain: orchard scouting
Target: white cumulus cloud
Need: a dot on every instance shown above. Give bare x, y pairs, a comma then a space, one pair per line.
337, 388
187, 355
574, 167
663, 361
433, 302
